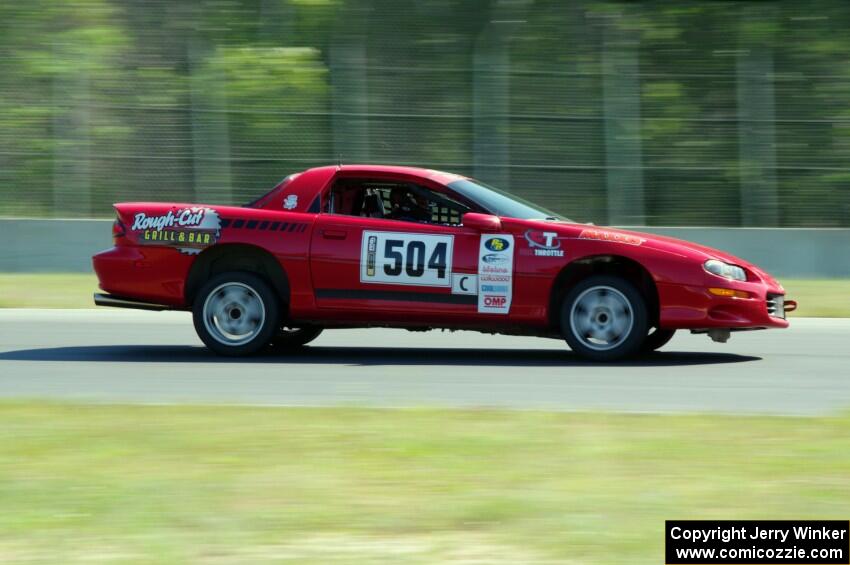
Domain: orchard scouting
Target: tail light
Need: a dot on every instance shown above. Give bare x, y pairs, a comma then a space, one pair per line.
118, 229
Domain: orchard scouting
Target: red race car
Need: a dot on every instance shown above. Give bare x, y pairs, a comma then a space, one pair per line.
355, 246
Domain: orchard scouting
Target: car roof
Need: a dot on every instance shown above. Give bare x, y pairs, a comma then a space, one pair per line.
435, 175
304, 186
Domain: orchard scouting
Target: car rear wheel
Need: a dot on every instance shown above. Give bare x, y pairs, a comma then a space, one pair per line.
656, 340
236, 314
289, 337
604, 318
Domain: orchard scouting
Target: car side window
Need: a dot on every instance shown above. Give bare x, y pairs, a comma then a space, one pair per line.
394, 200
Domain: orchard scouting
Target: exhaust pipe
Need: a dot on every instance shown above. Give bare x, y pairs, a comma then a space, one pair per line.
117, 302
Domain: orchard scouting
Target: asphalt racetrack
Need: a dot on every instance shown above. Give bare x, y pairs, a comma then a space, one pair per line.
154, 357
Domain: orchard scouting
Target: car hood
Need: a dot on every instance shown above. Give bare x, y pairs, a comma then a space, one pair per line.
682, 248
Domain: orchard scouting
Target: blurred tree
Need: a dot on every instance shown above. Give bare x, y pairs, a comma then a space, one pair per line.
679, 113
277, 100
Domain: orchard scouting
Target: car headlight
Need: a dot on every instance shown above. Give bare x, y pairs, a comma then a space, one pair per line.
725, 270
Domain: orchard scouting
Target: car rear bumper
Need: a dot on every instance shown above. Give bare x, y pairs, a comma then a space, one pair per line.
150, 275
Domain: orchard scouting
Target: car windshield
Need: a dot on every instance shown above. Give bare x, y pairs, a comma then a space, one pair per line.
501, 203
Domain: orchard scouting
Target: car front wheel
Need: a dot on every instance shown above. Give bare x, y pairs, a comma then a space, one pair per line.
656, 340
236, 314
293, 337
604, 318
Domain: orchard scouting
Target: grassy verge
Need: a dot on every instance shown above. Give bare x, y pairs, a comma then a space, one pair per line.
248, 485
827, 298
47, 290
820, 298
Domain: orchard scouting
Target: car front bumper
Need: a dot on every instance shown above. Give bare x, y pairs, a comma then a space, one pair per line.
696, 307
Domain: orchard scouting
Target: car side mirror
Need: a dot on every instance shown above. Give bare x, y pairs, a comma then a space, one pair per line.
481, 222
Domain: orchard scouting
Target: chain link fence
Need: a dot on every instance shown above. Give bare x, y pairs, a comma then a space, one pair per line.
715, 114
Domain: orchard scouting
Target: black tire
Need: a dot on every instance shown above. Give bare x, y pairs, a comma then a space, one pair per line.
611, 315
294, 337
656, 340
235, 302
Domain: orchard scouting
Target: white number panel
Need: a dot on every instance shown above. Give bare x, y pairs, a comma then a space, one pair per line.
406, 258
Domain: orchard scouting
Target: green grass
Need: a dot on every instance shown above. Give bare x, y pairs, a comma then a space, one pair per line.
826, 298
47, 290
82, 483
820, 298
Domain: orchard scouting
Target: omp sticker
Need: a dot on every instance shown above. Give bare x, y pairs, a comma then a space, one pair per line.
495, 273
404, 258
290, 202
464, 284
188, 229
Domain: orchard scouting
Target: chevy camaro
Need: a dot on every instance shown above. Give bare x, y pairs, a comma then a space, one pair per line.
365, 246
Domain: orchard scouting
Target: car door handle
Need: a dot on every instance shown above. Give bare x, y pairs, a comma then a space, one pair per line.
334, 234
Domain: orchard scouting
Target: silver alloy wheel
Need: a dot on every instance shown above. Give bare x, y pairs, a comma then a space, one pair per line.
234, 313
601, 318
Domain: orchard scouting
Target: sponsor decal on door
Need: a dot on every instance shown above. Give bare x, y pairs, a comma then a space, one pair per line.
406, 258
495, 273
464, 284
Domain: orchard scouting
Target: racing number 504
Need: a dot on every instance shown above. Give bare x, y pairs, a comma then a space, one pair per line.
412, 260
416, 259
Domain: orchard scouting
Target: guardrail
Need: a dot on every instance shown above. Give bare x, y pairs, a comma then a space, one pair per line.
31, 245
36, 246
784, 252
